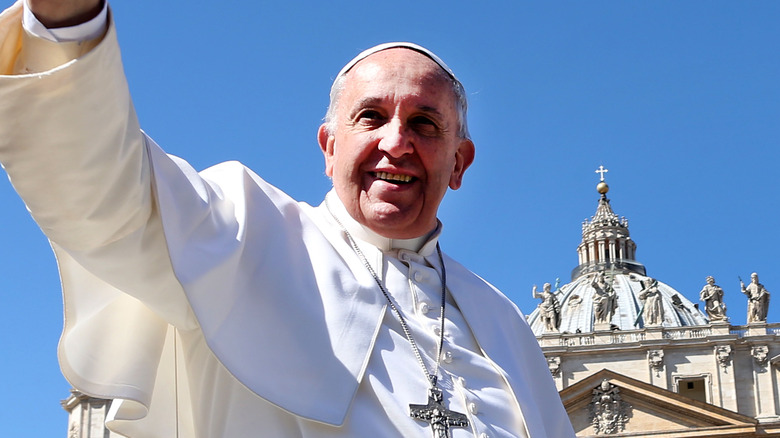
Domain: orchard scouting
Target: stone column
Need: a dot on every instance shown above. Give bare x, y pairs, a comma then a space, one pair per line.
554, 364
658, 377
725, 390
87, 416
766, 409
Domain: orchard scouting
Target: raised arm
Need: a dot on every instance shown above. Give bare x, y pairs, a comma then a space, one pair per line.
72, 147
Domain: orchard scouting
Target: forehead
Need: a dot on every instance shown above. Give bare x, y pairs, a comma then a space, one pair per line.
398, 71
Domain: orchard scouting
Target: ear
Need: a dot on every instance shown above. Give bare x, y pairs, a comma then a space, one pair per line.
464, 156
326, 142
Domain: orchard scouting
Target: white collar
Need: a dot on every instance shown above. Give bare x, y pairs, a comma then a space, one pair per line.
424, 245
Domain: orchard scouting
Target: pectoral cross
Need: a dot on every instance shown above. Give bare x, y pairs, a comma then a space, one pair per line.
440, 418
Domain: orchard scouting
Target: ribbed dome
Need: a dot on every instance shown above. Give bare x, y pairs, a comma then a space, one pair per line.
577, 306
616, 302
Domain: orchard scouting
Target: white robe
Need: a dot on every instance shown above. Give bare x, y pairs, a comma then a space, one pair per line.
216, 306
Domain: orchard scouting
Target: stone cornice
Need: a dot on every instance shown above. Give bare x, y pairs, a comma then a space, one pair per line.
655, 337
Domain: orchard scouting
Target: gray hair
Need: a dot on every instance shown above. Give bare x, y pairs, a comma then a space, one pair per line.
461, 103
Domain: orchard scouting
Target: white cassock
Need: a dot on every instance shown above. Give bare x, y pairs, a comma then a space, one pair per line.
214, 305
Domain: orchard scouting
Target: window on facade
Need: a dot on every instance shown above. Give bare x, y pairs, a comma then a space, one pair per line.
694, 389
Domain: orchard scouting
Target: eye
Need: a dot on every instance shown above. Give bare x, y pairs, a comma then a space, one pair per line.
424, 125
369, 116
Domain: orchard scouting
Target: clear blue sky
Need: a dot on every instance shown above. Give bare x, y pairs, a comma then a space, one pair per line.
679, 100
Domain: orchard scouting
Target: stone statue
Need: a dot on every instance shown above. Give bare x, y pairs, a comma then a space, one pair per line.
758, 299
549, 308
604, 300
712, 295
653, 308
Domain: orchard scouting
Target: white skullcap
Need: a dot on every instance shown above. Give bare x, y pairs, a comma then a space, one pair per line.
364, 54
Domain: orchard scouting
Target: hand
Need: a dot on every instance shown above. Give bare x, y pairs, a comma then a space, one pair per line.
64, 13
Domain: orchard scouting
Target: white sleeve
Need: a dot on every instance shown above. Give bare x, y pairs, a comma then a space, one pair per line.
83, 32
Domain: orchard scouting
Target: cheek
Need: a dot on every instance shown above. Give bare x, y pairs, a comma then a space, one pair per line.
342, 168
350, 157
440, 169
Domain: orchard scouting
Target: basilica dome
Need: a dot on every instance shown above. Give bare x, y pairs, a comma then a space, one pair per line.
610, 289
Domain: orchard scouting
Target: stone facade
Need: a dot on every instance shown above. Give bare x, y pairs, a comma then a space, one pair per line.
736, 368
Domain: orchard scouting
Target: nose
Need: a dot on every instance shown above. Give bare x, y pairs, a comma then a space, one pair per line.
395, 140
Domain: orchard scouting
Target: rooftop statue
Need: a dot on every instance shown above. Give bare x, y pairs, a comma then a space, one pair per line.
758, 299
549, 308
653, 309
604, 300
712, 295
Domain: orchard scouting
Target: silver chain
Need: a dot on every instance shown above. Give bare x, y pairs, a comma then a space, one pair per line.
432, 377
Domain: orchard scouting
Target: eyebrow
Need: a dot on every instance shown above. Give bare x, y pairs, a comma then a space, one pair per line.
363, 103
432, 110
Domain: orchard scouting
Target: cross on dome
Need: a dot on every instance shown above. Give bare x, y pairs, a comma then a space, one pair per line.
601, 170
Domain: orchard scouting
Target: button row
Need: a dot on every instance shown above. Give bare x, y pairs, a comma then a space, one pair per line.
472, 406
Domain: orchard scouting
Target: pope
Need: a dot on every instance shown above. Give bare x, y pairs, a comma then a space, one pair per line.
212, 304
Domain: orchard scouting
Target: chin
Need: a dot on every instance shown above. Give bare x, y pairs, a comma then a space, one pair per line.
395, 222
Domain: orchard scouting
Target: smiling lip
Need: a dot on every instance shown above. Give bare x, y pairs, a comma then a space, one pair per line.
393, 177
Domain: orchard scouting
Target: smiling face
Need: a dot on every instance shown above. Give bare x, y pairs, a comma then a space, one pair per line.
395, 148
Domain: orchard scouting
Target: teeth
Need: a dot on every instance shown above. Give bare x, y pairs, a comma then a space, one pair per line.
393, 177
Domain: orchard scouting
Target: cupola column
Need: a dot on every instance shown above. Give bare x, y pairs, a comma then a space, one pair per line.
612, 250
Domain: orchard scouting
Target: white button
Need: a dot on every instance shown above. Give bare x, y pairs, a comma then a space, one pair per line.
473, 408
437, 329
447, 356
418, 276
424, 307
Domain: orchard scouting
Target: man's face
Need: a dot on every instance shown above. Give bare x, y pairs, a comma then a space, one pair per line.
395, 148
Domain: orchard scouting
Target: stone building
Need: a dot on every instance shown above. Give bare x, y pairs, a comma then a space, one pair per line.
631, 356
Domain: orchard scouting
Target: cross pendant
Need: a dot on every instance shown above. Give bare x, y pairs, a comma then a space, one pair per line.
440, 418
